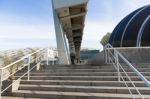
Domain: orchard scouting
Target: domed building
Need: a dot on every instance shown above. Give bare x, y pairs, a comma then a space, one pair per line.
133, 30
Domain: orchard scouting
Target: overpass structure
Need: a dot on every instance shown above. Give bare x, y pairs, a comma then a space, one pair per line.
69, 17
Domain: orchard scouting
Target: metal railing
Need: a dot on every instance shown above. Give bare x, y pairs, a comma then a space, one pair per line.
26, 63
112, 56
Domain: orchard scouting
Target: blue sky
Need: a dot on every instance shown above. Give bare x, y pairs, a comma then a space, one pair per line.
29, 23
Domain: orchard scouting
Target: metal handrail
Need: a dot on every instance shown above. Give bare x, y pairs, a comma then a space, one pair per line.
115, 55
124, 79
21, 59
147, 82
29, 61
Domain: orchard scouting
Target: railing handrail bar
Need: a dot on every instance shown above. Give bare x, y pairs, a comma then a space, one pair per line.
17, 79
130, 80
147, 82
21, 59
36, 51
135, 70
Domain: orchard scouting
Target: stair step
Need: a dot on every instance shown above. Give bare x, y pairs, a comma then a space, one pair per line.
106, 65
92, 70
93, 89
80, 71
73, 95
95, 67
81, 83
83, 74
77, 67
105, 78
59, 69
6, 97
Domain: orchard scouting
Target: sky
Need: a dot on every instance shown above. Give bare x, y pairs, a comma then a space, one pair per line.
29, 23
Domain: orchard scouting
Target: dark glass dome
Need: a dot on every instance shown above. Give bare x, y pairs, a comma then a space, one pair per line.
133, 30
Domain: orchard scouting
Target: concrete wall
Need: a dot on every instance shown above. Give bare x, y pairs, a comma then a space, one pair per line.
132, 54
136, 55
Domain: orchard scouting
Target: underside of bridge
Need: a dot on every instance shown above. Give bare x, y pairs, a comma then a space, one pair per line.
69, 17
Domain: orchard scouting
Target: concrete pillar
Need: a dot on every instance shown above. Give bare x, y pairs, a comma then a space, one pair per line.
63, 55
72, 54
78, 55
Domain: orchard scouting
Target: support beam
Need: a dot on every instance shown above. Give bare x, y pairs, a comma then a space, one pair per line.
76, 27
61, 41
73, 16
77, 34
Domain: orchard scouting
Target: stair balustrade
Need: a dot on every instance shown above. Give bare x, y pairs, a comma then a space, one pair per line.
28, 62
113, 56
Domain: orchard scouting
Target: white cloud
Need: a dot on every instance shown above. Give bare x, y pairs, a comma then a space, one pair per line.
136, 3
94, 31
132, 5
17, 30
21, 35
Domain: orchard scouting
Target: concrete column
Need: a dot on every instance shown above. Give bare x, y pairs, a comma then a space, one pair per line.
78, 55
72, 54
61, 41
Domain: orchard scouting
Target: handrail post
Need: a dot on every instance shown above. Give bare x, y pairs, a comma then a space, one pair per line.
117, 64
29, 60
109, 60
53, 61
1, 83
106, 55
47, 57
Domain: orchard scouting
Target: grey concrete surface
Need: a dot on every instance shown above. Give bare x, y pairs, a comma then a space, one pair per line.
135, 54
97, 59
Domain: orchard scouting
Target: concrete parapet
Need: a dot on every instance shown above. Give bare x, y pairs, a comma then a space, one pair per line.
132, 54
136, 54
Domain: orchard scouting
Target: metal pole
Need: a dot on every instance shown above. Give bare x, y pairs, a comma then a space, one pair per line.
106, 55
109, 59
117, 64
47, 57
53, 61
29, 67
1, 83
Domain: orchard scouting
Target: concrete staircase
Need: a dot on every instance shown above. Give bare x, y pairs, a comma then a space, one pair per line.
79, 82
